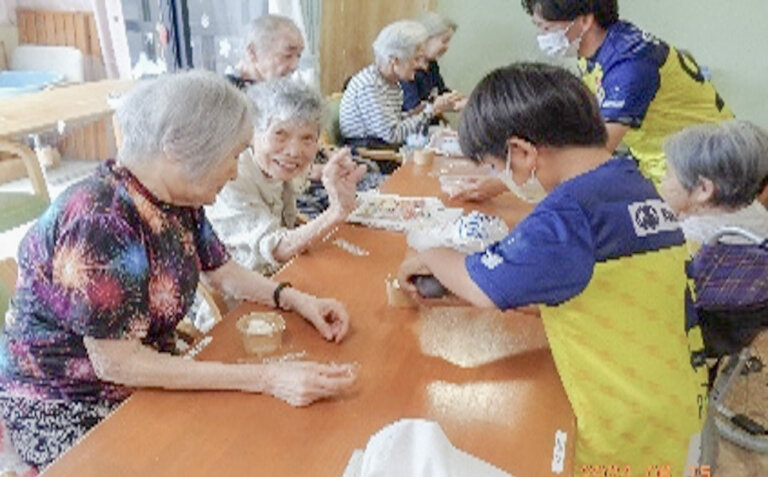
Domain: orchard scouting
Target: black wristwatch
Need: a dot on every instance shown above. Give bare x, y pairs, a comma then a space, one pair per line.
278, 291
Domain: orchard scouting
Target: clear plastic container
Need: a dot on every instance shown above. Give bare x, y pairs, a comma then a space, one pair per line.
262, 332
423, 157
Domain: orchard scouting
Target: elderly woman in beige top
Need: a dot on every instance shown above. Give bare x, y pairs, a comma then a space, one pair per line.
256, 214
714, 174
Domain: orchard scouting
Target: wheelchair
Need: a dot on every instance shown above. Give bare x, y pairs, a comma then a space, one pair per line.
730, 276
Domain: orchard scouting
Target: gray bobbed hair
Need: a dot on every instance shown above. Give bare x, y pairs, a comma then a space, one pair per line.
196, 118
436, 24
285, 99
732, 154
399, 40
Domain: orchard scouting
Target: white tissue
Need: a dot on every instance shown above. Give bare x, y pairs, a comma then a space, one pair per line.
416, 448
470, 233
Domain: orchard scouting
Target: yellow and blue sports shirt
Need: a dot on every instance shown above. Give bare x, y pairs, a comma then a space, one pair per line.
648, 85
604, 257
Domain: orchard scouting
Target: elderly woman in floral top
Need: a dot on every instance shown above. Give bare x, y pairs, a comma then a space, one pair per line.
112, 266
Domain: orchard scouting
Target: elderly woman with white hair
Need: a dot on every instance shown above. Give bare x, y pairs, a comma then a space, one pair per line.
370, 113
256, 214
112, 266
272, 50
714, 174
428, 83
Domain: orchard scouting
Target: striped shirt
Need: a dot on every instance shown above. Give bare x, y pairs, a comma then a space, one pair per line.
372, 108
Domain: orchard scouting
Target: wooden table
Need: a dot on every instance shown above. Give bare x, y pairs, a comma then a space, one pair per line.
486, 377
41, 111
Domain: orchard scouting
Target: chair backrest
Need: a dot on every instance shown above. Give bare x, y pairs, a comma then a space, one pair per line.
8, 273
65, 60
731, 275
3, 57
18, 208
731, 282
333, 130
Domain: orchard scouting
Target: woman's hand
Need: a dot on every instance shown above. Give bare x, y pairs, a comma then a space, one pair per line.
460, 103
446, 102
328, 316
340, 178
300, 383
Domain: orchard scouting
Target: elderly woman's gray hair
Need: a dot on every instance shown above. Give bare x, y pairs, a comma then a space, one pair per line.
263, 31
732, 154
196, 118
436, 24
285, 99
399, 40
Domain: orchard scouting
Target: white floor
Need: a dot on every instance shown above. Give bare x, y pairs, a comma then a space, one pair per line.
58, 179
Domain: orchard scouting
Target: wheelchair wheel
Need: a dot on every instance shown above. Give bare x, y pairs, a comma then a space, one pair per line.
710, 442
737, 435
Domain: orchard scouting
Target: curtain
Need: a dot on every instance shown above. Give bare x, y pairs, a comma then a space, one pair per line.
7, 12
108, 15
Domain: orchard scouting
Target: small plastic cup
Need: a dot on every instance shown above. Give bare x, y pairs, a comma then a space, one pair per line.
396, 296
262, 332
423, 157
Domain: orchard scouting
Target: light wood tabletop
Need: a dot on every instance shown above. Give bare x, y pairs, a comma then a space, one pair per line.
42, 110
486, 377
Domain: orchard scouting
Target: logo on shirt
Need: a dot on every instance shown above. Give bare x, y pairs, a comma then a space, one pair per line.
613, 103
652, 217
491, 260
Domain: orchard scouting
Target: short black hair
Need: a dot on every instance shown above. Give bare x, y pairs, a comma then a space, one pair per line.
543, 104
606, 11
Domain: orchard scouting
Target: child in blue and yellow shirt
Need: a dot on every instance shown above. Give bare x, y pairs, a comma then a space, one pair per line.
601, 254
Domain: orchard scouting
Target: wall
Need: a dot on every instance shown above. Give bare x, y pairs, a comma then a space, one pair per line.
64, 5
729, 37
8, 30
349, 28
6, 11
9, 35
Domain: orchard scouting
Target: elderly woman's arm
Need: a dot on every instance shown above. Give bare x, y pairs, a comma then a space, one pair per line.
340, 178
327, 315
130, 363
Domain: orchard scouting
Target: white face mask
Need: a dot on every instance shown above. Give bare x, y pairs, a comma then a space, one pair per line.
531, 191
556, 43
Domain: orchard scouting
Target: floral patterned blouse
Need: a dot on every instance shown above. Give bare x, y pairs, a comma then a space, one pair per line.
107, 260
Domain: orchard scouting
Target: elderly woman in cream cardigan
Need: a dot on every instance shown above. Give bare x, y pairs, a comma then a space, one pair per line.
256, 214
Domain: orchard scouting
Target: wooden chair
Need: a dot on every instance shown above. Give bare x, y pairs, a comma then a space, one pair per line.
18, 208
332, 134
8, 272
186, 329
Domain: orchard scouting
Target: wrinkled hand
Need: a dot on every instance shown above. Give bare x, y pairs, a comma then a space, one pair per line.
445, 102
300, 383
474, 188
460, 103
328, 316
340, 177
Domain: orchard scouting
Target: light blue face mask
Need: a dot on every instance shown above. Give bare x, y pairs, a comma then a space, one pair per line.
530, 191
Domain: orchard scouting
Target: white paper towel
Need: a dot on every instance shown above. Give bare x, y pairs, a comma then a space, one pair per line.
416, 448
